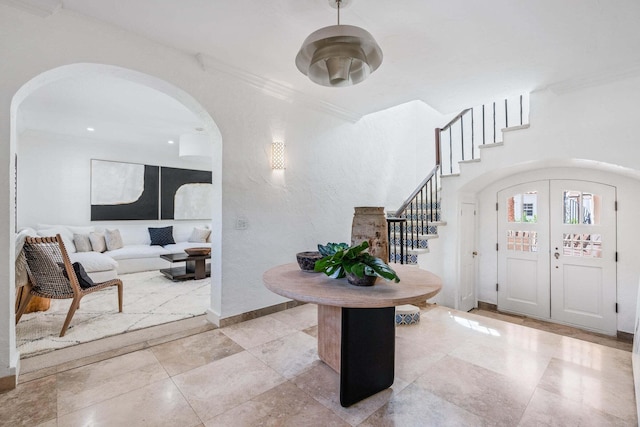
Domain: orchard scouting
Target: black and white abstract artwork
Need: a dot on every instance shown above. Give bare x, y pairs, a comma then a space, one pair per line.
185, 194
124, 191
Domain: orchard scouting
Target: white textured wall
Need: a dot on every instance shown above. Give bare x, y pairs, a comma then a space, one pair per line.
332, 165
589, 134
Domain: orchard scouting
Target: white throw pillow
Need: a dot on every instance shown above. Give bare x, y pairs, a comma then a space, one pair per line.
82, 242
199, 235
67, 237
113, 239
98, 243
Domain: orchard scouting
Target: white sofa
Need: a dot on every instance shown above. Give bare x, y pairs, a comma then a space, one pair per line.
137, 253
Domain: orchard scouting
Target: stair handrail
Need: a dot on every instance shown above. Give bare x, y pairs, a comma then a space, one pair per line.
456, 118
403, 207
426, 192
404, 219
476, 122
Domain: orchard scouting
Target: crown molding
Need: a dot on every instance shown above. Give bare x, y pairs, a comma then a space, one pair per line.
274, 89
585, 81
41, 8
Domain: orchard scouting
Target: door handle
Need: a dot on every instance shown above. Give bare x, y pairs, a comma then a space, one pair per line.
474, 253
557, 255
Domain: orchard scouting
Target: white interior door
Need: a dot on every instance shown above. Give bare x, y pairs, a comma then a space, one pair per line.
523, 249
583, 266
467, 289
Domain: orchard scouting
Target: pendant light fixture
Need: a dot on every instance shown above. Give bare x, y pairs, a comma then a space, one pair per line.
339, 55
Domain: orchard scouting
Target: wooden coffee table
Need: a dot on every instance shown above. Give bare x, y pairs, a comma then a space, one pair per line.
195, 266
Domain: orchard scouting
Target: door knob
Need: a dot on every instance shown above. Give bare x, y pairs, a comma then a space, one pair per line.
557, 255
474, 253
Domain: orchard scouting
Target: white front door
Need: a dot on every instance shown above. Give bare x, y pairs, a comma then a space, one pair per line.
468, 257
523, 249
557, 252
583, 255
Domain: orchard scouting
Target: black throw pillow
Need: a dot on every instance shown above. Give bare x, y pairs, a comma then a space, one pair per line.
161, 236
84, 280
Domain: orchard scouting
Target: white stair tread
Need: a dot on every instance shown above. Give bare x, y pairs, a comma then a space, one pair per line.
409, 251
430, 223
512, 128
491, 145
477, 160
419, 236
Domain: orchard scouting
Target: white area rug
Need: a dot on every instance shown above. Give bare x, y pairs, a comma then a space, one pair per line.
149, 299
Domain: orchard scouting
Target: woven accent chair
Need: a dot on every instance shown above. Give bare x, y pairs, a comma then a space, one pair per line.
47, 262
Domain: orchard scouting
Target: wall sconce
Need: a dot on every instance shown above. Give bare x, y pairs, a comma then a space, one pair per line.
277, 155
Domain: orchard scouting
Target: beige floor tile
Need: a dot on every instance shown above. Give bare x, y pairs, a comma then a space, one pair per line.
224, 384
512, 336
88, 385
258, 331
499, 316
413, 358
29, 404
34, 375
157, 405
522, 367
313, 331
300, 317
415, 406
595, 356
323, 384
478, 390
440, 335
290, 355
191, 352
468, 370
558, 329
605, 391
284, 405
550, 409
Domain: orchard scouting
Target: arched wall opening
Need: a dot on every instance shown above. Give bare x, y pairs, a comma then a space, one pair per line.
188, 101
484, 190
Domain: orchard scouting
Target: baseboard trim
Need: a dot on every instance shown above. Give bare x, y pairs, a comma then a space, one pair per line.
487, 306
254, 314
8, 383
625, 336
622, 336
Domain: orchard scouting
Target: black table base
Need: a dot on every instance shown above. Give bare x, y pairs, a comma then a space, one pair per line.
367, 353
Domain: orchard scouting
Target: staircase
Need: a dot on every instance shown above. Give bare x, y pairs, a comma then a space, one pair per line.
416, 222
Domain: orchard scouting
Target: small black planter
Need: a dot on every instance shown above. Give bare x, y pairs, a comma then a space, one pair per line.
361, 281
307, 260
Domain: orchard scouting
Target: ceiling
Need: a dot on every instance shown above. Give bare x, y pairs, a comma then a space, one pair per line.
449, 54
117, 109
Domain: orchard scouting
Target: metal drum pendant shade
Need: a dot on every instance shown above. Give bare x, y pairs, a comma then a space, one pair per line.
339, 55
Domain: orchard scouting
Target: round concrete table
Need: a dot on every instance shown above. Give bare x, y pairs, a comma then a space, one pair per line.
356, 325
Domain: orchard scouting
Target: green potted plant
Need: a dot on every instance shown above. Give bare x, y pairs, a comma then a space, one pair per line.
331, 248
360, 267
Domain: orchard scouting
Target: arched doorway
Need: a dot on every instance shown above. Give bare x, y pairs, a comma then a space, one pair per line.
571, 172
163, 87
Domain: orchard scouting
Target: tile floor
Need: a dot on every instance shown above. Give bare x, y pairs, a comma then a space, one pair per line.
622, 343
452, 369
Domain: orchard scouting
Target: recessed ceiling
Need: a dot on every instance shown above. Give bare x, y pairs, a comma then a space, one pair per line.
117, 110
